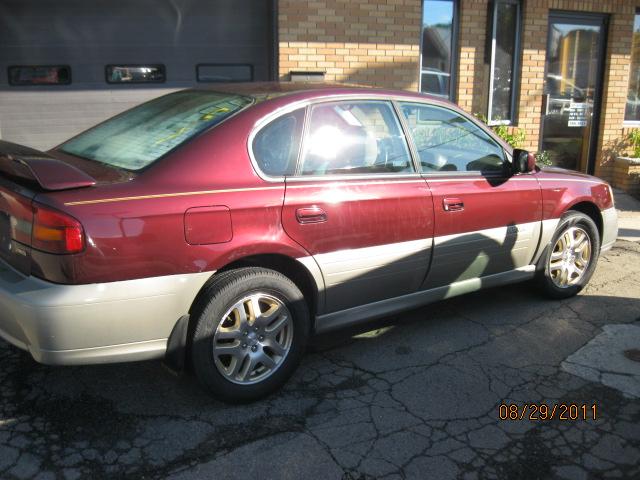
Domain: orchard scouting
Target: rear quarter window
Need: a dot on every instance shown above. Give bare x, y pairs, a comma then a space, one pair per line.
276, 145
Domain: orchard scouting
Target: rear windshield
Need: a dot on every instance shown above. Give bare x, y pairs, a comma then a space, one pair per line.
140, 136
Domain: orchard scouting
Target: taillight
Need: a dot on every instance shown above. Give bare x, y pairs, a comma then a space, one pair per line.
56, 232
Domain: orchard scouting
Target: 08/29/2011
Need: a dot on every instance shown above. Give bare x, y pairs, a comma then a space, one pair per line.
543, 411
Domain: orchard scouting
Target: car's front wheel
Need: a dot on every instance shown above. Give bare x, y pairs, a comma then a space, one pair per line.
570, 258
251, 329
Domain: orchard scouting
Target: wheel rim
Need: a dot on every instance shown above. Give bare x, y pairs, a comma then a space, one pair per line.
570, 257
252, 339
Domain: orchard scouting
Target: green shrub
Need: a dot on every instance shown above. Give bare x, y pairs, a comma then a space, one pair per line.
513, 136
634, 139
543, 158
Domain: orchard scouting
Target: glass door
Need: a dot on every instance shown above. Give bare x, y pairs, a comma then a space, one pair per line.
573, 87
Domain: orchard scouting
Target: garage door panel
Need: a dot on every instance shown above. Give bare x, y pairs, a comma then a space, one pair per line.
87, 36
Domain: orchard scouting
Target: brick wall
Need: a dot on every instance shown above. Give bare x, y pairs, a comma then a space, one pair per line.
626, 175
377, 42
474, 73
370, 42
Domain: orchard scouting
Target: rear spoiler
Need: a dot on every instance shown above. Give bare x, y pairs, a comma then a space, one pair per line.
49, 172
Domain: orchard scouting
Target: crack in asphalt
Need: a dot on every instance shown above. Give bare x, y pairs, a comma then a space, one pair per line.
418, 398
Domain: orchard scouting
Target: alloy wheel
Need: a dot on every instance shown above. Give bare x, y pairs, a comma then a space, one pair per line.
570, 257
252, 339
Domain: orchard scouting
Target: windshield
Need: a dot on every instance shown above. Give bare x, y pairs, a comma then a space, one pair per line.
140, 136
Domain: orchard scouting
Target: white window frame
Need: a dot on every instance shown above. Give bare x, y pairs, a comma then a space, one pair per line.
625, 122
516, 62
453, 61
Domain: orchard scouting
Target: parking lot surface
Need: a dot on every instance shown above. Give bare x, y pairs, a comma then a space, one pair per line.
414, 396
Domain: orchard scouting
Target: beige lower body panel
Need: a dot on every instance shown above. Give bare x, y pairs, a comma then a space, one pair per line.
95, 323
609, 228
468, 255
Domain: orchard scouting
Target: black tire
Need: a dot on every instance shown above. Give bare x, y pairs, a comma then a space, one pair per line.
219, 296
544, 278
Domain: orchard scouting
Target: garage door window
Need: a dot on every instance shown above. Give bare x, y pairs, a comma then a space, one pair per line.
135, 73
20, 75
210, 72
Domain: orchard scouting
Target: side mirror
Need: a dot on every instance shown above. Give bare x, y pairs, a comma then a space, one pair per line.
523, 162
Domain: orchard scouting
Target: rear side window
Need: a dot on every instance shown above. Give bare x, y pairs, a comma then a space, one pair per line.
359, 137
140, 136
276, 146
448, 142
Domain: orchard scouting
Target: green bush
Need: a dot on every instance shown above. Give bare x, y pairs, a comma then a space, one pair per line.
634, 139
543, 158
516, 137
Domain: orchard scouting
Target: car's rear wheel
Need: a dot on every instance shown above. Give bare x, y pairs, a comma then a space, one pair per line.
571, 256
251, 329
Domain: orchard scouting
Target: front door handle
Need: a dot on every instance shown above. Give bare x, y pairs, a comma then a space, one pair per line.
312, 214
452, 204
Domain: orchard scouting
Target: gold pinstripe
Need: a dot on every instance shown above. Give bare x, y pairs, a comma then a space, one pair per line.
167, 195
306, 185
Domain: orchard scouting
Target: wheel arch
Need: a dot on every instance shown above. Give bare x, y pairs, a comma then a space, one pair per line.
592, 211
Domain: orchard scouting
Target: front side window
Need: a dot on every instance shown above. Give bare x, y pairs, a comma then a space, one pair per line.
359, 137
632, 110
448, 142
504, 51
138, 137
438, 47
276, 146
135, 73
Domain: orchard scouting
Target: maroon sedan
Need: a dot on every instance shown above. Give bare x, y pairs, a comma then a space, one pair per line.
224, 227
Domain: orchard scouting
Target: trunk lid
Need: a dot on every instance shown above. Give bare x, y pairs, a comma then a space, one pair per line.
25, 173
33, 166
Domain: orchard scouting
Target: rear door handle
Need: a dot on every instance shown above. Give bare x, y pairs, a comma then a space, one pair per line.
452, 204
313, 214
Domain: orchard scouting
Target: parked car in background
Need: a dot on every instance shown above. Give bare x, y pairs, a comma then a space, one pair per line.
223, 227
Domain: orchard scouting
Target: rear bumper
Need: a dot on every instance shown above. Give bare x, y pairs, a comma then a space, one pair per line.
96, 323
609, 228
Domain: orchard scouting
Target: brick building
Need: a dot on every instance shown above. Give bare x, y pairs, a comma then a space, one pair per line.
566, 73
535, 65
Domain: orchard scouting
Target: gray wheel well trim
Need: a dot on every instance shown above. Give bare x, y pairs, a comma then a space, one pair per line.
592, 211
304, 272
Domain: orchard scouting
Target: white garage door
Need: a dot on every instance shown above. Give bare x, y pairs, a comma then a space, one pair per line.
68, 64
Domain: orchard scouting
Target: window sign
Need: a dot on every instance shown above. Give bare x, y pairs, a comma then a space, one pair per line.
578, 115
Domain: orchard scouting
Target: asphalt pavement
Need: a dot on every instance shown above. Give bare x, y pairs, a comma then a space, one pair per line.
456, 389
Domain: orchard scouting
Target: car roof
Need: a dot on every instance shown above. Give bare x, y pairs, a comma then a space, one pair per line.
310, 90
